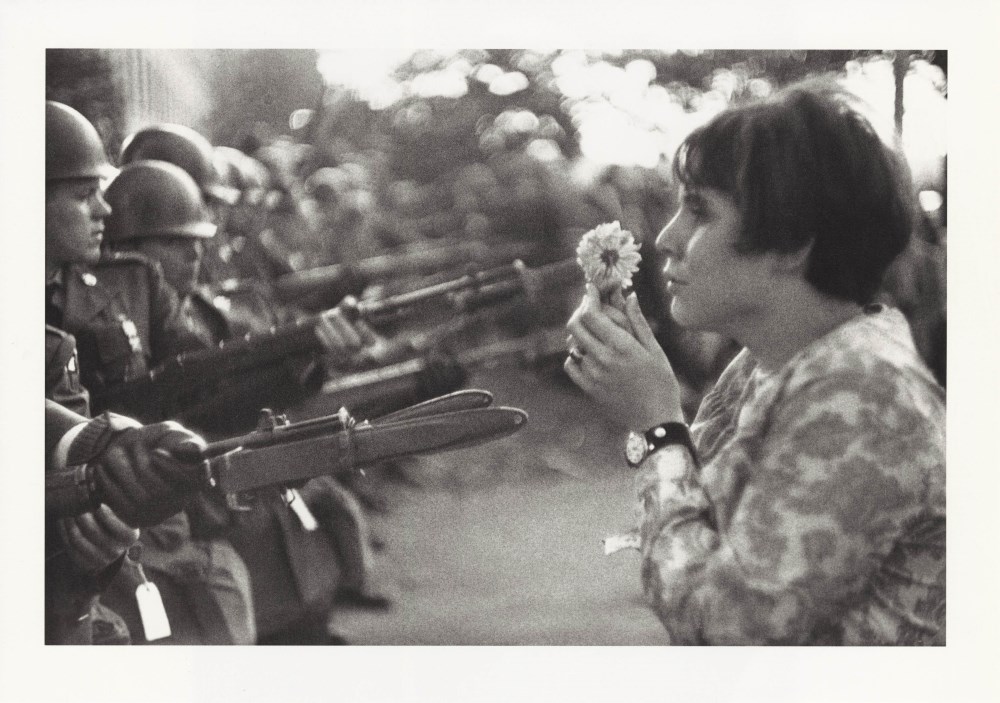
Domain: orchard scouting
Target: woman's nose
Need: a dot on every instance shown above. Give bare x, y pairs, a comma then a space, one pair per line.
666, 240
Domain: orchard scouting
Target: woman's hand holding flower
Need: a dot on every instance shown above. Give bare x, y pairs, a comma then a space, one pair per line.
622, 366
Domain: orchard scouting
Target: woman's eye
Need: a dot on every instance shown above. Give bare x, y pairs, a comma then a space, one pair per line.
695, 207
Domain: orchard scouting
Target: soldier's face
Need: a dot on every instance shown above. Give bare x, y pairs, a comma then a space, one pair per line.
74, 221
180, 258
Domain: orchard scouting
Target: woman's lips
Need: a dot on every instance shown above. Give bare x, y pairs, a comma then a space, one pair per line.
674, 283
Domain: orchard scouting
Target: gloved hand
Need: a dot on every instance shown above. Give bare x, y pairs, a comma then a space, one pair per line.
350, 343
95, 539
146, 473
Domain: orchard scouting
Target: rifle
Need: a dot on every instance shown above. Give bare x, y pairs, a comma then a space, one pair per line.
180, 383
285, 454
337, 280
472, 291
389, 387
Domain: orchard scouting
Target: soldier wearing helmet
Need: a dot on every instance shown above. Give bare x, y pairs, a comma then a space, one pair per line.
158, 213
184, 147
124, 316
294, 571
75, 164
190, 150
251, 249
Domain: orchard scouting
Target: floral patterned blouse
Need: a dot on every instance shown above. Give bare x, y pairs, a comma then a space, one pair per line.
817, 515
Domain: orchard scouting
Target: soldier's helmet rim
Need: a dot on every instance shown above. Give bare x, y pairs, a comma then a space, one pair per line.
155, 199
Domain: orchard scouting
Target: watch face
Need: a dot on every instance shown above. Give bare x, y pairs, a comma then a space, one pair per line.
635, 448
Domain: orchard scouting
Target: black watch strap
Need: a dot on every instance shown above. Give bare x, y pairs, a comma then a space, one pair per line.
670, 433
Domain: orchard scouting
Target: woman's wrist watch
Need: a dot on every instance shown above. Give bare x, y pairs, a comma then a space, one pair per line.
639, 446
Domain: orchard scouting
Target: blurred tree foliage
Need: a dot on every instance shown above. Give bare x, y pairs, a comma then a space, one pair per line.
83, 79
430, 134
255, 90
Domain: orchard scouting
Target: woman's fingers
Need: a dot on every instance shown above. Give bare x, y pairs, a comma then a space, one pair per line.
574, 369
619, 318
640, 327
600, 326
585, 342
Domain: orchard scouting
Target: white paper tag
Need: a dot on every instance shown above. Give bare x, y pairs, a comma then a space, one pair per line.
154, 617
302, 511
616, 543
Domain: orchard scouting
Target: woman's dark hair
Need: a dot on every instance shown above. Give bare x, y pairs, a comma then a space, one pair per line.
806, 168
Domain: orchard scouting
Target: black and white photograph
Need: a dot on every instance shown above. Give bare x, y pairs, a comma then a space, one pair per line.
549, 366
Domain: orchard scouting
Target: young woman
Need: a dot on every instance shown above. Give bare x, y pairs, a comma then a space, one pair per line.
806, 504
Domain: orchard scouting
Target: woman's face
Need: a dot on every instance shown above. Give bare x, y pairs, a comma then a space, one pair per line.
713, 288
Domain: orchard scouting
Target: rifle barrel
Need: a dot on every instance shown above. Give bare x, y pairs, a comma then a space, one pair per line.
424, 260
479, 289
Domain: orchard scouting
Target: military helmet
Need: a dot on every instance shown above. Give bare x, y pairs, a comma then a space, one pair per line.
73, 148
155, 199
184, 147
244, 173
257, 179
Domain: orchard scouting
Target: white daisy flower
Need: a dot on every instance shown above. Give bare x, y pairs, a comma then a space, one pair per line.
608, 256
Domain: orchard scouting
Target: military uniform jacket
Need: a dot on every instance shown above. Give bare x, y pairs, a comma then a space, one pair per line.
62, 372
71, 606
231, 407
125, 318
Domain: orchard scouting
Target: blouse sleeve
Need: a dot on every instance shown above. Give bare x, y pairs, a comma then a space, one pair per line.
811, 504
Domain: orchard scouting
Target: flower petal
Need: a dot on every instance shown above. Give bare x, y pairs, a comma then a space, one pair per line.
608, 272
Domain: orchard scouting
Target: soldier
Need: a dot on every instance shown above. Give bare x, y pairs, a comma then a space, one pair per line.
140, 482
121, 312
294, 568
255, 251
220, 176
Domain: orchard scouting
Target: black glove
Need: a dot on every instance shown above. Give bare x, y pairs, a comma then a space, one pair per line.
145, 473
